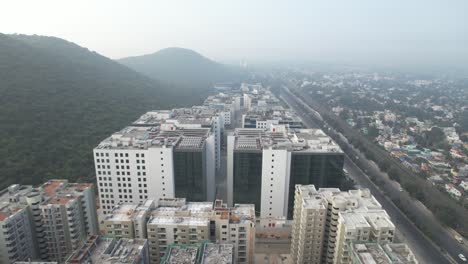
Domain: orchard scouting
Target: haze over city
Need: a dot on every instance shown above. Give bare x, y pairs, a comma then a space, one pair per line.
234, 132
381, 33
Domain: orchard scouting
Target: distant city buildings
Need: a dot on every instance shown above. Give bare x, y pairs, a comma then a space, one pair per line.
48, 222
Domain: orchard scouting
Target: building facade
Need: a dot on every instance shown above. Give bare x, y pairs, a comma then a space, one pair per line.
326, 220
140, 163
48, 222
264, 165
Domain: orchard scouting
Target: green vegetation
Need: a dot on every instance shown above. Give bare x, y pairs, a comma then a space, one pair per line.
58, 100
452, 215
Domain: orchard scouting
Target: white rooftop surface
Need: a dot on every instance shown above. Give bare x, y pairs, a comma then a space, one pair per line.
280, 137
127, 212
192, 213
144, 137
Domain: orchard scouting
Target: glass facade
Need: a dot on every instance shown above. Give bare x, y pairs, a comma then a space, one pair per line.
247, 178
189, 175
321, 170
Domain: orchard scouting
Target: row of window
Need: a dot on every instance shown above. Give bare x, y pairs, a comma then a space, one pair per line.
101, 154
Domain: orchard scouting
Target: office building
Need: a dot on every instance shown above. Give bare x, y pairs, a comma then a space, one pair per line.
140, 163
264, 165
110, 251
47, 222
326, 220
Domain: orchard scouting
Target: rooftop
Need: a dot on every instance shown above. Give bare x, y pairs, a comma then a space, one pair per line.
128, 212
374, 253
192, 213
109, 251
217, 254
200, 116
13, 198
181, 254
281, 137
167, 134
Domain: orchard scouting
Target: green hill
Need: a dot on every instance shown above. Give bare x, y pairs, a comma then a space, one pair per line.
183, 66
58, 100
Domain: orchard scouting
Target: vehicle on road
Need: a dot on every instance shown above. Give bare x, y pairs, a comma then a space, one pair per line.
459, 239
462, 257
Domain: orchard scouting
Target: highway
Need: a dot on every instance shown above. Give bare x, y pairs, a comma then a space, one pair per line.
425, 250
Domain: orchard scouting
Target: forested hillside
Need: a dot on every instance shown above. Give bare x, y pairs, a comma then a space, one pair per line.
184, 67
58, 100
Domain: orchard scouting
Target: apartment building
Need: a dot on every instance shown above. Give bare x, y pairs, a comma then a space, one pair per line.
326, 220
236, 226
17, 240
176, 221
110, 251
140, 163
264, 165
128, 220
390, 253
47, 222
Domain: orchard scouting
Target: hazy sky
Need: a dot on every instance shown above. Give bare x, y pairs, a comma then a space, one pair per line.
347, 31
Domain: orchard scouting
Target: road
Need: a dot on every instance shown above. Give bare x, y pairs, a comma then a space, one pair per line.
425, 249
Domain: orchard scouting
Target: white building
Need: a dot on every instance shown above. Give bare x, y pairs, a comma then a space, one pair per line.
326, 220
140, 163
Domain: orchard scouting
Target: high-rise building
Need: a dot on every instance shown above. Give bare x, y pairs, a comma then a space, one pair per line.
326, 220
140, 163
17, 240
110, 251
47, 222
264, 165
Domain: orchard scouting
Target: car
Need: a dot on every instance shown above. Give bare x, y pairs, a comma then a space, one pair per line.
462, 257
401, 189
